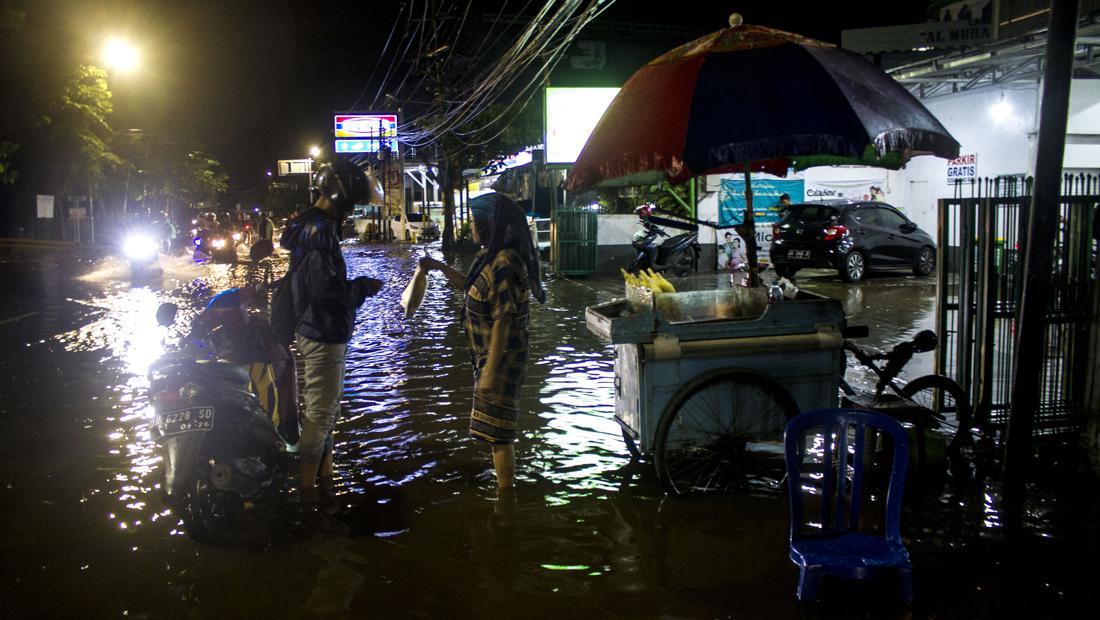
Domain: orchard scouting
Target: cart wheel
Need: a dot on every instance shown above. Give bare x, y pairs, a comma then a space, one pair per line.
719, 430
631, 445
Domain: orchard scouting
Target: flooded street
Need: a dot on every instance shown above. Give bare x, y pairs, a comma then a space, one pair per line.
589, 533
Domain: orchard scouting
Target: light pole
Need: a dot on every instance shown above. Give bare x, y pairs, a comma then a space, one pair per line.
121, 57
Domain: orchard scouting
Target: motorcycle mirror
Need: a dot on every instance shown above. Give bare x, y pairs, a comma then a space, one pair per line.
166, 314
261, 250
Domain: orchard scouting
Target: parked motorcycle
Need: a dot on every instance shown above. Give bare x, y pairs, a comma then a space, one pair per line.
225, 412
677, 254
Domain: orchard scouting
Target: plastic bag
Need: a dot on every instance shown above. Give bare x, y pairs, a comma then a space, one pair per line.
414, 292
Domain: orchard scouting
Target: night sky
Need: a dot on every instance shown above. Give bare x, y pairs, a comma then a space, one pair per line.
257, 81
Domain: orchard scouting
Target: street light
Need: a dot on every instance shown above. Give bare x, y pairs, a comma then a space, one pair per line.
314, 151
119, 55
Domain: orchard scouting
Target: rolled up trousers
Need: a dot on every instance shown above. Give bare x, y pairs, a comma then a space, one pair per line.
324, 383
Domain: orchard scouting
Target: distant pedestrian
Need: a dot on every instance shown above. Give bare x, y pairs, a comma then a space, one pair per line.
784, 205
504, 275
266, 227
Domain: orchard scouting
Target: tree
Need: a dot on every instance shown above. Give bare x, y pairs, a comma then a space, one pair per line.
78, 132
8, 174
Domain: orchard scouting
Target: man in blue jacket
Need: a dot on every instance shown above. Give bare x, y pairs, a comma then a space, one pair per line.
325, 302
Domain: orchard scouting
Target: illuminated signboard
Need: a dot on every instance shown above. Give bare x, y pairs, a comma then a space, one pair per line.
364, 133
365, 126
369, 145
571, 115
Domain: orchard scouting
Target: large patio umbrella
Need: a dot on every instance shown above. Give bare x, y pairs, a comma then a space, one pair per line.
748, 98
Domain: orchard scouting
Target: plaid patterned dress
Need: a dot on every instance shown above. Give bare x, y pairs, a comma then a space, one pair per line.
500, 290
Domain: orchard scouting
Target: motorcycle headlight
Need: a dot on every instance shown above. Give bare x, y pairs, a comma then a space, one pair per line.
218, 244
236, 236
139, 247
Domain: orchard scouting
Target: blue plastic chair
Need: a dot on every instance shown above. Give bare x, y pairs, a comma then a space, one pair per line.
838, 547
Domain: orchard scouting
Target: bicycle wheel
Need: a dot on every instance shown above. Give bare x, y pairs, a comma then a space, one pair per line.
720, 430
940, 395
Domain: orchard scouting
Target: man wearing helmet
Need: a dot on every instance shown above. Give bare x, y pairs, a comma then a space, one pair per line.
325, 302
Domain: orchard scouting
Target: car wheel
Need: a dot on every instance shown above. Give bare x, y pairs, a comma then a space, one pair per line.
926, 262
854, 267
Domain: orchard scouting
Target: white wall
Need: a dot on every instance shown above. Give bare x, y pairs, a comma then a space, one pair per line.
616, 229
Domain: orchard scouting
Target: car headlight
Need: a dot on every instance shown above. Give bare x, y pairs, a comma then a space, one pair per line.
139, 247
217, 244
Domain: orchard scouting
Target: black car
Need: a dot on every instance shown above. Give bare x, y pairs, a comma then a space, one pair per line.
851, 237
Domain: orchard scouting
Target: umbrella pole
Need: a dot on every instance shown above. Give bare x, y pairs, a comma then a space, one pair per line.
747, 230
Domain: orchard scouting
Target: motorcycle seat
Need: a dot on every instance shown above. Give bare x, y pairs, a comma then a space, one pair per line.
672, 242
224, 371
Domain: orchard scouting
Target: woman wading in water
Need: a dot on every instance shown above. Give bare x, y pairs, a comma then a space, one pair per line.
504, 275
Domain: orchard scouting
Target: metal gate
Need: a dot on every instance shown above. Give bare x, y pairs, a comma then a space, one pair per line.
981, 254
573, 241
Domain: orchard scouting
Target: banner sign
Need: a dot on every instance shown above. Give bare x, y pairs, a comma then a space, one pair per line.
868, 188
962, 168
45, 206
765, 199
78, 213
288, 167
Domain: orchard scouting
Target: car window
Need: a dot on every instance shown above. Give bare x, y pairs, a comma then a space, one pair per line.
813, 213
890, 218
866, 216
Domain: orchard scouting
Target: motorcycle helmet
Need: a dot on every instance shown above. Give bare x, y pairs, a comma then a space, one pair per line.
644, 211
342, 182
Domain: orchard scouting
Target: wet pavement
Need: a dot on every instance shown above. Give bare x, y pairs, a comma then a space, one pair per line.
588, 533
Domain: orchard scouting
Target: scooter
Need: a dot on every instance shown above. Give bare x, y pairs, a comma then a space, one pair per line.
141, 250
215, 246
677, 254
225, 412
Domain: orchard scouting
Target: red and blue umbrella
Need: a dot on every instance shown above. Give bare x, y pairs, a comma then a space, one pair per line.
748, 98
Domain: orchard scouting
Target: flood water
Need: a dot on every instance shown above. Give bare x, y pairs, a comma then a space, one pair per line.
588, 534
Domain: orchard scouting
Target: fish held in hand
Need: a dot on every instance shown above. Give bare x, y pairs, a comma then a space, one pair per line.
414, 292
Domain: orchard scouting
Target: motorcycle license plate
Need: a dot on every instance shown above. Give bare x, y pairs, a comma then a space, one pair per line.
798, 255
185, 421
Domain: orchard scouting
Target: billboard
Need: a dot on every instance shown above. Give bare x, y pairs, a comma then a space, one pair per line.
365, 126
571, 115
364, 133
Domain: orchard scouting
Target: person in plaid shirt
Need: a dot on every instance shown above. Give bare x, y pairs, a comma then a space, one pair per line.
504, 275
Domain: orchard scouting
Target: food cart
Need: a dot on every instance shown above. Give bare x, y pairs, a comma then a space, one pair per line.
705, 381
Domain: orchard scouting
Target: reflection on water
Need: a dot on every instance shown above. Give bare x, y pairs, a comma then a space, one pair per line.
421, 529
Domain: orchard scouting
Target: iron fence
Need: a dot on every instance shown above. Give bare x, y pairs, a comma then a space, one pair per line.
981, 254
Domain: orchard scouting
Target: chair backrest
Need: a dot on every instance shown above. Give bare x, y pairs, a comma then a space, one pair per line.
841, 498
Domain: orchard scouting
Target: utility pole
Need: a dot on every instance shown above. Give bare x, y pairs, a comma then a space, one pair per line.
1041, 229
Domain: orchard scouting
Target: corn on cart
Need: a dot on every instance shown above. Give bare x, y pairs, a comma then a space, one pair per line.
705, 381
